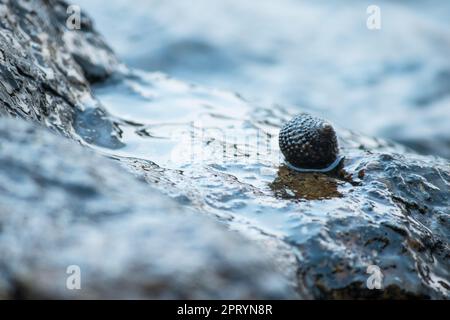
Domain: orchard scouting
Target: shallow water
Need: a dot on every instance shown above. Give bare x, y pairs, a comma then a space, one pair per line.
312, 55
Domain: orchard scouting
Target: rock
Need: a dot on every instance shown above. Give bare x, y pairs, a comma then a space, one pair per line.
44, 67
61, 205
214, 153
57, 210
385, 205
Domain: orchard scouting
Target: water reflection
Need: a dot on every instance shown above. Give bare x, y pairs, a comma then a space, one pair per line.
95, 127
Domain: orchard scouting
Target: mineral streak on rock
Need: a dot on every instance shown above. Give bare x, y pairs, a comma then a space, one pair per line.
309, 143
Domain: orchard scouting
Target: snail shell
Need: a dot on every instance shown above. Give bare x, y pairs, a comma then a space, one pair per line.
309, 144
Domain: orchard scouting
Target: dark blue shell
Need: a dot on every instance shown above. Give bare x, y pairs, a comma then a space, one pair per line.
309, 144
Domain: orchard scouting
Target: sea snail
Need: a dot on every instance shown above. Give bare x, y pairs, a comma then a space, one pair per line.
309, 144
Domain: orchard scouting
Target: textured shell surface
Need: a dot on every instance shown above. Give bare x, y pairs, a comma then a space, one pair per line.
309, 143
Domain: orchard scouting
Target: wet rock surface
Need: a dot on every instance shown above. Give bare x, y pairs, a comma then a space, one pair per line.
61, 205
44, 67
217, 155
384, 205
